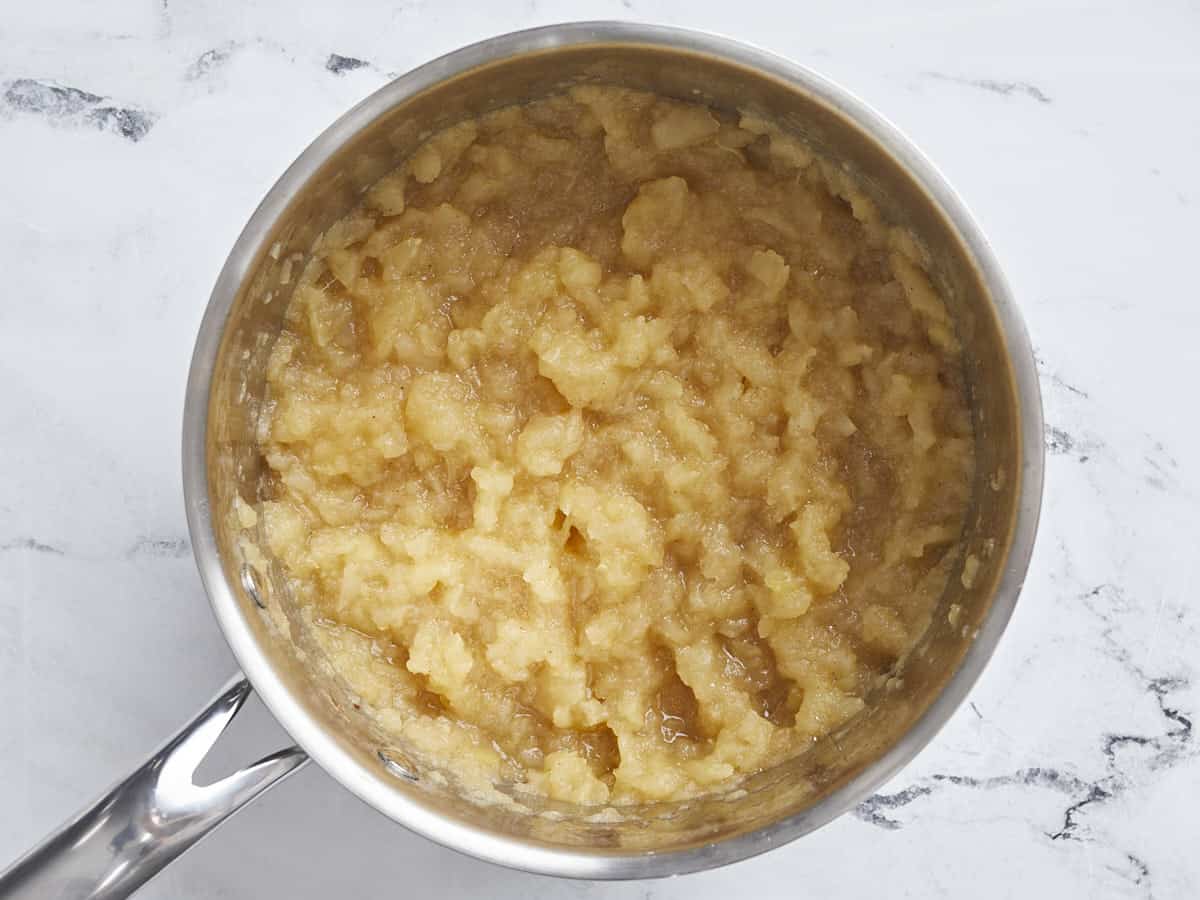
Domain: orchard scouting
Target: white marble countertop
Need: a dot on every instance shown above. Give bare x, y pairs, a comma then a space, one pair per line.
137, 136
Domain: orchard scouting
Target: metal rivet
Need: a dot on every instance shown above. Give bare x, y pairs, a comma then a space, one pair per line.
252, 582
400, 770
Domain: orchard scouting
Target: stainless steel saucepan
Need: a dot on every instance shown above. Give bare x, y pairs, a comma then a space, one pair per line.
155, 814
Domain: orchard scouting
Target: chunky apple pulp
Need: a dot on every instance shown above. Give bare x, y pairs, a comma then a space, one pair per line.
618, 448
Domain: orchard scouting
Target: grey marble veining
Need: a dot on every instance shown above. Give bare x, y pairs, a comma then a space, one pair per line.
138, 136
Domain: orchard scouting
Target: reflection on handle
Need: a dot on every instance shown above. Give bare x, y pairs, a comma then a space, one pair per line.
118, 844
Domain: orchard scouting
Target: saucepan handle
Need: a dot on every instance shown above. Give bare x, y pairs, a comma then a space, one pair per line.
127, 836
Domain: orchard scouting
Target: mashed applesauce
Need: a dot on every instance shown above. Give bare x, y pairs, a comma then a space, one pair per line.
618, 448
